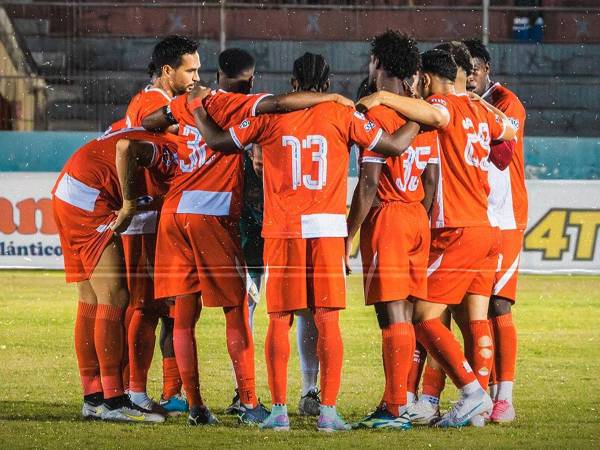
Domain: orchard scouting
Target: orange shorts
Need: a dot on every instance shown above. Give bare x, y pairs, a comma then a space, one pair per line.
304, 273
200, 253
462, 261
511, 244
83, 236
394, 246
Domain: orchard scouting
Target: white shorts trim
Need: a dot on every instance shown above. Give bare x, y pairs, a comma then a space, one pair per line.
204, 202
76, 193
323, 225
143, 223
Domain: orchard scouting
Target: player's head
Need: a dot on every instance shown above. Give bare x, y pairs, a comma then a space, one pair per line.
311, 73
366, 88
395, 55
480, 58
236, 70
439, 70
175, 59
462, 57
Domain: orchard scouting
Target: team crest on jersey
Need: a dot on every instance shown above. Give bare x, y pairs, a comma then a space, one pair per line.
514, 122
369, 126
359, 115
144, 200
244, 124
167, 157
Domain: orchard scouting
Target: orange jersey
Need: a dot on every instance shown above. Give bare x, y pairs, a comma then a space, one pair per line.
209, 182
400, 178
463, 187
513, 193
306, 157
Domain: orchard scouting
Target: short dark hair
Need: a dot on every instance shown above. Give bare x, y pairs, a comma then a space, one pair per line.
460, 53
311, 71
439, 62
234, 61
169, 52
397, 53
478, 49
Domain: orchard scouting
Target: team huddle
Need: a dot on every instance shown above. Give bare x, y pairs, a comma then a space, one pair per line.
197, 197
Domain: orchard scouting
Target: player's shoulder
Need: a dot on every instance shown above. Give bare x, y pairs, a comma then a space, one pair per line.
152, 94
386, 117
502, 94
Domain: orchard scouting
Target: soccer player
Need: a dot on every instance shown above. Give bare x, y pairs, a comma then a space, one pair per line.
198, 235
511, 196
174, 70
463, 252
394, 236
85, 197
305, 157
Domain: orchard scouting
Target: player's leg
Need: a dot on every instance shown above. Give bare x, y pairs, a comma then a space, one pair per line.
171, 398
306, 337
415, 373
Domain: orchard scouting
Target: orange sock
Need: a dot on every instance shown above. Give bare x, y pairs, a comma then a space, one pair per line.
483, 351
505, 339
434, 381
493, 375
141, 338
171, 379
398, 349
240, 345
465, 331
416, 368
277, 354
330, 350
89, 368
187, 312
110, 342
441, 344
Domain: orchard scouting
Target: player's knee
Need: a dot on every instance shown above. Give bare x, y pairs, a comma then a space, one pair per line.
499, 306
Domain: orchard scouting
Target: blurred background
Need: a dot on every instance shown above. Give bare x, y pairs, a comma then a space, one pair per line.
73, 66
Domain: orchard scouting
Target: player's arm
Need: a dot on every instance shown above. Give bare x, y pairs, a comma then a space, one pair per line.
429, 178
509, 131
412, 108
501, 153
130, 157
257, 160
397, 143
215, 137
362, 200
274, 104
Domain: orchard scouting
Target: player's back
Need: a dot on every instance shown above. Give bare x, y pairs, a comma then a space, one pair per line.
400, 178
206, 181
463, 187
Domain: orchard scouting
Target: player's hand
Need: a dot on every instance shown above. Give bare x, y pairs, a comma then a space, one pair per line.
199, 93
349, 240
344, 100
124, 217
369, 101
473, 96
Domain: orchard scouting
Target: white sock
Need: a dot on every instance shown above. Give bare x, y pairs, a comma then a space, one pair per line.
493, 391
505, 391
139, 398
430, 399
306, 334
471, 388
410, 397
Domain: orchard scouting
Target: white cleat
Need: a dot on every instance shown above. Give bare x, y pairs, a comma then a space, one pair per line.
130, 412
423, 412
469, 406
92, 412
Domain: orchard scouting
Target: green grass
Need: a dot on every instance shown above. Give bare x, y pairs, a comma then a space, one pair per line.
557, 395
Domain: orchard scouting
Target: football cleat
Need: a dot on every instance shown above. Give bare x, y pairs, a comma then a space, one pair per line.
234, 408
330, 421
309, 404
201, 415
253, 416
277, 420
477, 403
142, 400
423, 412
126, 411
503, 412
91, 411
382, 418
176, 405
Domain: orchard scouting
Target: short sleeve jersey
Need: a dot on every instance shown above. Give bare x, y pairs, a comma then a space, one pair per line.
463, 188
93, 165
400, 178
507, 102
144, 103
305, 167
209, 182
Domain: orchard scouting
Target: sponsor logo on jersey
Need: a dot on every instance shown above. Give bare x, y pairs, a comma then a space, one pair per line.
359, 115
244, 124
369, 126
441, 101
514, 122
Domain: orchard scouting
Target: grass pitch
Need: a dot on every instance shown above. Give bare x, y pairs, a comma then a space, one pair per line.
557, 395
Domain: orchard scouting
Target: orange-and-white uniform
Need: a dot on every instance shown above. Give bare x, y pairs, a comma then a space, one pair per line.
198, 245
508, 195
465, 238
395, 236
87, 194
306, 157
